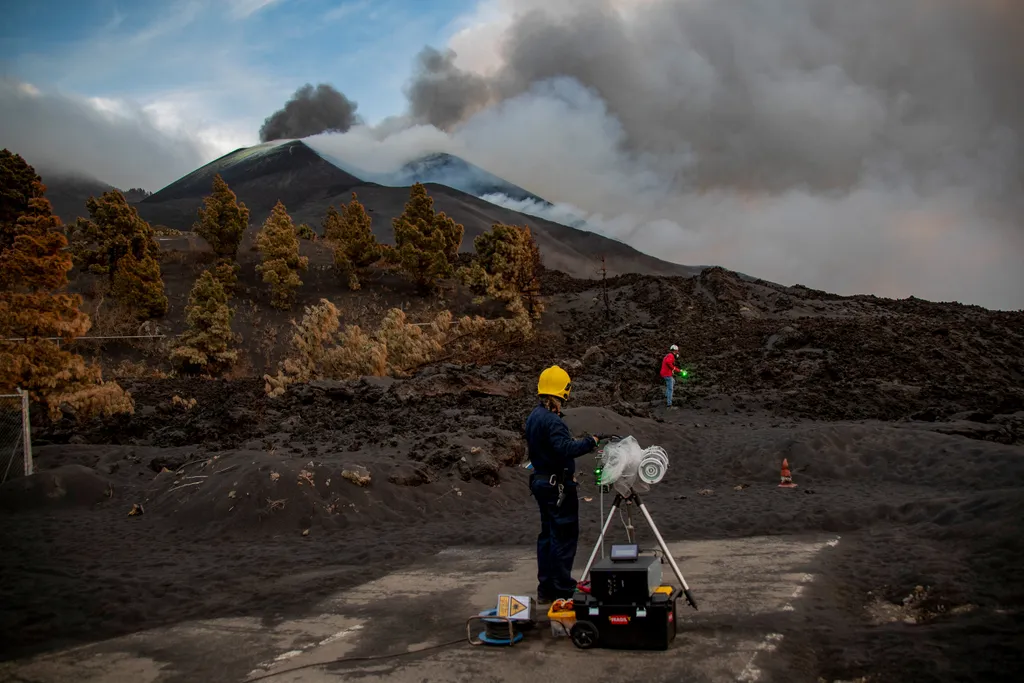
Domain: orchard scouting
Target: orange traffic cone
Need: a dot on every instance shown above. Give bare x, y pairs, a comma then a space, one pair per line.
787, 477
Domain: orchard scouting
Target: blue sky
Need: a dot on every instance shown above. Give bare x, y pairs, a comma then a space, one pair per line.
224, 64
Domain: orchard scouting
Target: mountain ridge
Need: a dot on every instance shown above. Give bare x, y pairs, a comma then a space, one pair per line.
307, 183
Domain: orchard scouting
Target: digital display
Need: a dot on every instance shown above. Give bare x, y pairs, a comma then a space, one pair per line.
625, 552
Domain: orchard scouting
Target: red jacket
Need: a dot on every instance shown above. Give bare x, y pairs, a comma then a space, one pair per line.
668, 365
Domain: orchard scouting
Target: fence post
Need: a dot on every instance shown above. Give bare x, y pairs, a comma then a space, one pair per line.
26, 432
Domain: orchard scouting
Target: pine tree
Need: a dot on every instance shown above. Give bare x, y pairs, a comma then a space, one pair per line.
19, 184
426, 243
281, 263
507, 267
34, 265
206, 345
226, 272
222, 220
350, 235
113, 232
138, 283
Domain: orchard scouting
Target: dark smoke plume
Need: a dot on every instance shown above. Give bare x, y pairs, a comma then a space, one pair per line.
310, 112
442, 94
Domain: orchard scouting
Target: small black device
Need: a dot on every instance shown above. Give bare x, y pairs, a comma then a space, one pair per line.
625, 582
625, 553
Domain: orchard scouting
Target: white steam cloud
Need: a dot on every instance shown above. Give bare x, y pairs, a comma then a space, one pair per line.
111, 141
867, 147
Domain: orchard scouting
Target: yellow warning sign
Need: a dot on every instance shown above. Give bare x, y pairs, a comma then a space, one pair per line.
513, 607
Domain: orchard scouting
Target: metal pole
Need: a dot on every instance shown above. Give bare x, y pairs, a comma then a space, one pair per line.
671, 560
608, 523
26, 432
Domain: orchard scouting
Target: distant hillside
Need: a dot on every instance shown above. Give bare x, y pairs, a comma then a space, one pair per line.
440, 168
308, 183
68, 194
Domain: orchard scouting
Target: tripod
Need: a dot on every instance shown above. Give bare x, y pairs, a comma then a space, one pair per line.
635, 499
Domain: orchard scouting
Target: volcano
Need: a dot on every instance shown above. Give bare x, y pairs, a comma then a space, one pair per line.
307, 182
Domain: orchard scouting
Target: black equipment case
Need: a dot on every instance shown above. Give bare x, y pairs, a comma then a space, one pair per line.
647, 625
626, 582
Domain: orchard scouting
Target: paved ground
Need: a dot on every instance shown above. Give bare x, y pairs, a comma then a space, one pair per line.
734, 581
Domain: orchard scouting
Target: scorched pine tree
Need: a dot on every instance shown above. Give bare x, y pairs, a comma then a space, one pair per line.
103, 244
426, 243
507, 267
350, 236
206, 344
281, 263
222, 222
34, 264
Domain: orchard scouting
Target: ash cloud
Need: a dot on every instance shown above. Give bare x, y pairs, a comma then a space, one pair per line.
868, 146
311, 111
440, 93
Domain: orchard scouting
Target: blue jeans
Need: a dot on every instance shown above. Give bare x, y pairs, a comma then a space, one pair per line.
670, 383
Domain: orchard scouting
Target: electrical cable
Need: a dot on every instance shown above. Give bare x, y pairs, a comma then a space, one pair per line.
374, 658
368, 658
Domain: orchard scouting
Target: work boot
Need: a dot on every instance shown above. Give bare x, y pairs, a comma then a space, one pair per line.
543, 600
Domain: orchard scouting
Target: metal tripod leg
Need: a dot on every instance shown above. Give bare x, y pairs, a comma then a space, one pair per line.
664, 548
600, 540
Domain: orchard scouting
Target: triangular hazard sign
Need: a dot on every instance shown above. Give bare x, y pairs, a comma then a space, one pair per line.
516, 607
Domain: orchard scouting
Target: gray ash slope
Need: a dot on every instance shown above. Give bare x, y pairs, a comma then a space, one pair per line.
307, 184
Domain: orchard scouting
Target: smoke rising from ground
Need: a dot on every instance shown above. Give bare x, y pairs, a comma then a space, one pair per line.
869, 146
311, 111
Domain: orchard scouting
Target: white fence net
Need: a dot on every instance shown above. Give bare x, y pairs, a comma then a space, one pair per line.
15, 439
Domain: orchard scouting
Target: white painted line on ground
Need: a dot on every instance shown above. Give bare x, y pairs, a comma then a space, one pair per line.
340, 634
266, 666
751, 672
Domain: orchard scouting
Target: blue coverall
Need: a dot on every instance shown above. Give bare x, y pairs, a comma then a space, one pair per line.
553, 451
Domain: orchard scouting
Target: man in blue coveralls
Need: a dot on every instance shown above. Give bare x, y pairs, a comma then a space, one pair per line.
553, 483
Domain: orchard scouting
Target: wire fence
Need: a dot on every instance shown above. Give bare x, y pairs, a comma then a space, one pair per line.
15, 436
58, 340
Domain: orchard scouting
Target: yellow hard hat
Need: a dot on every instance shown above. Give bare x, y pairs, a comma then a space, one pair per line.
554, 382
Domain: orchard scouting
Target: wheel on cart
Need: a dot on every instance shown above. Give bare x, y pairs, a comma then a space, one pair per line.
583, 634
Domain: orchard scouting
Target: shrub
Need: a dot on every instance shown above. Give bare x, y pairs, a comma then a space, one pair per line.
320, 349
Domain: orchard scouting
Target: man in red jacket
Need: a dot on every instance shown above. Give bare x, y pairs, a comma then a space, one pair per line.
669, 370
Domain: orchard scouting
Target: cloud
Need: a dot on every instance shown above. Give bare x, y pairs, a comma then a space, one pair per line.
344, 10
243, 9
790, 139
310, 111
107, 139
